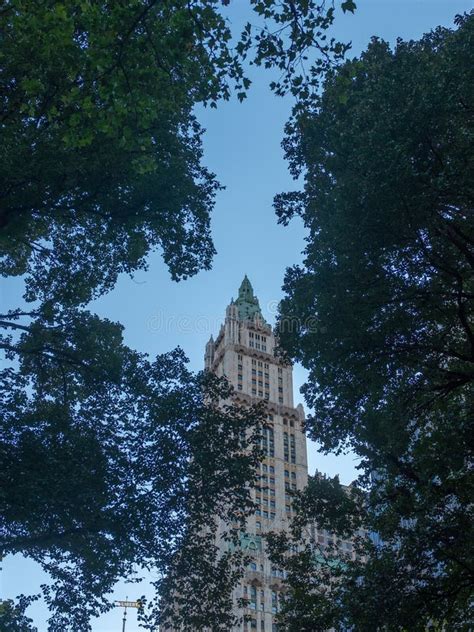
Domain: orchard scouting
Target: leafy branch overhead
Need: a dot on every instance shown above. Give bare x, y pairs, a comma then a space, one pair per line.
101, 151
386, 152
107, 465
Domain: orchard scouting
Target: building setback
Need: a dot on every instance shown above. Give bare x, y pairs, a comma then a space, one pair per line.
244, 352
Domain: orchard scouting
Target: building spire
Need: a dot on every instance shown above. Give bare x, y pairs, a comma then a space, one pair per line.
247, 303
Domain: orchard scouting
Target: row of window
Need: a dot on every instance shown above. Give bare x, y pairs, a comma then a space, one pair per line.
257, 345
258, 363
263, 513
256, 598
257, 336
266, 502
252, 625
260, 393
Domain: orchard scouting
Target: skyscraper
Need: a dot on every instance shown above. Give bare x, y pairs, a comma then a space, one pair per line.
244, 351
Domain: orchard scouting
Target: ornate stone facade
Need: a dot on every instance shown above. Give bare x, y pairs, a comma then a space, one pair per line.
244, 351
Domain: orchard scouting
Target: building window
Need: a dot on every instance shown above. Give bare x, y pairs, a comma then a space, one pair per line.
254, 362
250, 343
293, 475
272, 469
260, 393
280, 400
240, 376
266, 365
253, 596
280, 389
259, 363
274, 602
280, 370
287, 474
272, 516
264, 347
239, 387
268, 442
239, 357
254, 391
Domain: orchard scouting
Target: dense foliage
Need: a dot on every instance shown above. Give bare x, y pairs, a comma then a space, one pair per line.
13, 618
110, 460
383, 308
101, 151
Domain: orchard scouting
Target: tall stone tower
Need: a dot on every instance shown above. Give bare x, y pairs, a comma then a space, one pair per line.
244, 351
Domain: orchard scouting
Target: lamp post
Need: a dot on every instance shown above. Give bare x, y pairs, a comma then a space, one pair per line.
126, 604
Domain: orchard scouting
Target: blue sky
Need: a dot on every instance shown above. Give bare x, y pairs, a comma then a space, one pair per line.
242, 146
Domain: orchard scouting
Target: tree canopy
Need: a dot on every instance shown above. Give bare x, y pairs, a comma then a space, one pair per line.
101, 155
109, 459
383, 308
105, 451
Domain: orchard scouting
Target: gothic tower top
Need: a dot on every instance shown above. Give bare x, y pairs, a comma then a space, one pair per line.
247, 303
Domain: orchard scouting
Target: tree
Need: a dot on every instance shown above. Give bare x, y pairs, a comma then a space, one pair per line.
109, 462
101, 152
101, 163
12, 616
381, 314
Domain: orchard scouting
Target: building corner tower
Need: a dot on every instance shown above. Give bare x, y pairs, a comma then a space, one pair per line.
244, 352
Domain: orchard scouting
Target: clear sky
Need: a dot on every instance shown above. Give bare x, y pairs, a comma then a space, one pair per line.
242, 146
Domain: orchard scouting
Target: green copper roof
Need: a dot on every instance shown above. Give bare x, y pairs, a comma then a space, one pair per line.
247, 303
